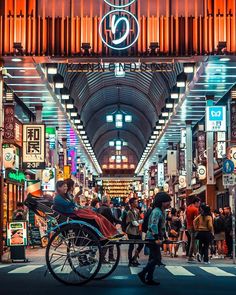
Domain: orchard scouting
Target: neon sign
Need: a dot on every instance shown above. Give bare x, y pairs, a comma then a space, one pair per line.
17, 176
122, 24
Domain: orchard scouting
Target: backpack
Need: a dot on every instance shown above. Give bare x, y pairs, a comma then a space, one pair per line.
124, 224
146, 220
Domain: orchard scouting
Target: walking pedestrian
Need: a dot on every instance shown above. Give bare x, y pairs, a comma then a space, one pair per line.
174, 231
228, 231
106, 210
155, 234
219, 233
133, 220
191, 214
203, 225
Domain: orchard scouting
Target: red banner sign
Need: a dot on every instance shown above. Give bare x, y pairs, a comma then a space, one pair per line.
9, 124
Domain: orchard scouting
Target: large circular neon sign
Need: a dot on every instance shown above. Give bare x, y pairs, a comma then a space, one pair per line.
118, 17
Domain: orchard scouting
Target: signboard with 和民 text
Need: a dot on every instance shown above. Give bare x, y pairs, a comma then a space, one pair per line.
215, 118
33, 146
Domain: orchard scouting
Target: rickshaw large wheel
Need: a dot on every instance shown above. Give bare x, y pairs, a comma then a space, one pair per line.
73, 254
108, 267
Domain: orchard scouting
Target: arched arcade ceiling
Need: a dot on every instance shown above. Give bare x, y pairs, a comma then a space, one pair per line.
98, 94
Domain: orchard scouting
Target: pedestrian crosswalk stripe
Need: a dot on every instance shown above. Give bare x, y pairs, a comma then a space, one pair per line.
26, 269
105, 269
66, 269
119, 278
217, 272
135, 270
179, 271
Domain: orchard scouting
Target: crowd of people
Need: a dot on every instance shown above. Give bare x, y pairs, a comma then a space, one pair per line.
204, 233
195, 231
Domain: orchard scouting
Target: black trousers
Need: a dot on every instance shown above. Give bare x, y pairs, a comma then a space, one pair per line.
229, 243
154, 259
204, 243
131, 246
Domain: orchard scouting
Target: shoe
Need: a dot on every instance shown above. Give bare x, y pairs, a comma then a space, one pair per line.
161, 264
207, 262
199, 257
104, 261
133, 264
142, 277
191, 259
136, 262
152, 283
112, 259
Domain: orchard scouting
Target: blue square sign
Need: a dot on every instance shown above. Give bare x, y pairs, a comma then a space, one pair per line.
215, 118
216, 113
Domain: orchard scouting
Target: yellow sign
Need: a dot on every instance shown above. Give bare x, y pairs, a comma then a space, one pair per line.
60, 174
67, 172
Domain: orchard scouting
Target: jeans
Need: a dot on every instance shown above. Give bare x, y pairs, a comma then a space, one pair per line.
192, 244
131, 246
204, 238
154, 259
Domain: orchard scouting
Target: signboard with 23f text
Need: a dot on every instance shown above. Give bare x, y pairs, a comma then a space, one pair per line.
33, 146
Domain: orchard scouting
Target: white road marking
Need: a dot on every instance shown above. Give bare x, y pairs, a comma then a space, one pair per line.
179, 271
135, 270
119, 278
63, 269
105, 269
217, 272
26, 269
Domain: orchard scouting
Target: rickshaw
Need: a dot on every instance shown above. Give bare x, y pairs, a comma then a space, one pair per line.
76, 250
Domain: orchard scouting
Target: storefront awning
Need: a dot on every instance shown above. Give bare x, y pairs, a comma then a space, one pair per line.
198, 191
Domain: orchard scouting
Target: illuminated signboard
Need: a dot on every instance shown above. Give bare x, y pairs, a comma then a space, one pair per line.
15, 176
49, 179
33, 146
17, 233
122, 24
215, 118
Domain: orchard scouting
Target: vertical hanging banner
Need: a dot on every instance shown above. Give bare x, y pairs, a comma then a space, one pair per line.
201, 145
9, 123
72, 160
160, 174
233, 121
221, 145
33, 146
18, 132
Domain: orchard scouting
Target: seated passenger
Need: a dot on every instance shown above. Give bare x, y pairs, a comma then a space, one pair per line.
64, 204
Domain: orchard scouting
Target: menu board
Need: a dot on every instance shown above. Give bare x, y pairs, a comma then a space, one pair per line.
35, 236
17, 233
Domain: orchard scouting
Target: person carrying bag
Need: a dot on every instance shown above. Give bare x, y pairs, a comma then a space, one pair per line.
203, 225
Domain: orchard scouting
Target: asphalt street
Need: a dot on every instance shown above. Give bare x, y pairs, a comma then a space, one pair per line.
28, 279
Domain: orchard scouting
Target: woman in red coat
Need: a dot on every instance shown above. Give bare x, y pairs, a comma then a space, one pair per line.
64, 203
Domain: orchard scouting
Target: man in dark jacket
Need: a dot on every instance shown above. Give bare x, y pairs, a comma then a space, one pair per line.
228, 231
106, 211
